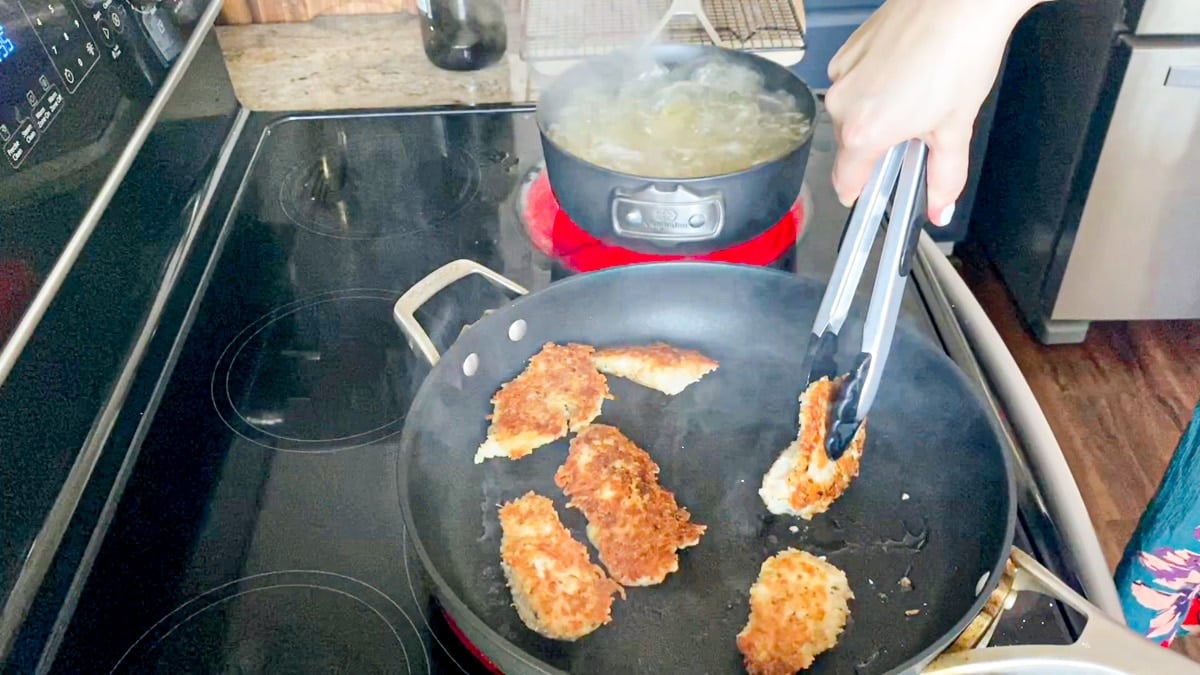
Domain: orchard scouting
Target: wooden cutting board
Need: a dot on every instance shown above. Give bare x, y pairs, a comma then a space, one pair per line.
293, 11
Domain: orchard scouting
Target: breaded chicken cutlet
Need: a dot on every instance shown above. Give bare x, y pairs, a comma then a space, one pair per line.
804, 481
657, 366
559, 391
798, 608
557, 590
633, 521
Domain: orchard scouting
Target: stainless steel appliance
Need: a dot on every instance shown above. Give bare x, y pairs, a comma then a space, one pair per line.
205, 387
113, 121
1091, 187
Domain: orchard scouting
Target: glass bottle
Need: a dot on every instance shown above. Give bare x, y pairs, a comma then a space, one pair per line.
463, 34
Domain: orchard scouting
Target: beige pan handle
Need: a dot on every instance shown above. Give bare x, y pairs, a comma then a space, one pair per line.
405, 310
1105, 646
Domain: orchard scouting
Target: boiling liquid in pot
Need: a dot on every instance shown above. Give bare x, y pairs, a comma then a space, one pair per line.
691, 121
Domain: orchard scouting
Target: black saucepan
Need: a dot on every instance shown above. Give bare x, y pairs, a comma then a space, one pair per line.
934, 502
681, 216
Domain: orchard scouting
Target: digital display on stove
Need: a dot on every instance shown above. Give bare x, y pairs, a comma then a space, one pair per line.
7, 48
34, 83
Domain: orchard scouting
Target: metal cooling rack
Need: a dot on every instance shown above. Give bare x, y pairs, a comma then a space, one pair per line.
569, 29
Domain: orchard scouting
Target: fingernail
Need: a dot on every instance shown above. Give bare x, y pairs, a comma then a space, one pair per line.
945, 216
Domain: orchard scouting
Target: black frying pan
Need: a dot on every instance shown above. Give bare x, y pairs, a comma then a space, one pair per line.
934, 501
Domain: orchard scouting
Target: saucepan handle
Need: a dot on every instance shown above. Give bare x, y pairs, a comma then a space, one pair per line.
405, 310
1105, 646
671, 216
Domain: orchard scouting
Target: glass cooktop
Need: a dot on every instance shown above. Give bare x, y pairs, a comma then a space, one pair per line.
260, 529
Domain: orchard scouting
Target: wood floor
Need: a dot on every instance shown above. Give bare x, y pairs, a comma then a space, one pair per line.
1117, 403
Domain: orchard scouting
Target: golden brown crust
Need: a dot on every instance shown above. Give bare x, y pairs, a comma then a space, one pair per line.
798, 608
659, 366
816, 481
559, 391
634, 522
558, 591
803, 481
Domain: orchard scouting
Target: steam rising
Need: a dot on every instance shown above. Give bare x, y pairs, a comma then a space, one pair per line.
704, 117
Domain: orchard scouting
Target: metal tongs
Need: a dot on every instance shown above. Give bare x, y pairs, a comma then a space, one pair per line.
900, 178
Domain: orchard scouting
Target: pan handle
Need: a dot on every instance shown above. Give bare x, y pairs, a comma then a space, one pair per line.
405, 310
1064, 502
1104, 646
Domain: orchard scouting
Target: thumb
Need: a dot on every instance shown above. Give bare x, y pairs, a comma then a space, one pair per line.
946, 173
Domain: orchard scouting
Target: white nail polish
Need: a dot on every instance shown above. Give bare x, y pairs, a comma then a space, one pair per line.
945, 216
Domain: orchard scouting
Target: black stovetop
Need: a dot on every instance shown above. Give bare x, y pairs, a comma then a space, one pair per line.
260, 529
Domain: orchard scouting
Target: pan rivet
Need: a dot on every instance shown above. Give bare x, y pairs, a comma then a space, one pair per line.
517, 330
470, 364
982, 582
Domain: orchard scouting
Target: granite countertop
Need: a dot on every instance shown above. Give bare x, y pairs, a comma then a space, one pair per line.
339, 62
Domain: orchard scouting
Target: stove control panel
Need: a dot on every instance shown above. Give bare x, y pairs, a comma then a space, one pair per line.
70, 68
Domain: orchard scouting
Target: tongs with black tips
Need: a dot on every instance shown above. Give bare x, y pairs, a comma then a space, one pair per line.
899, 178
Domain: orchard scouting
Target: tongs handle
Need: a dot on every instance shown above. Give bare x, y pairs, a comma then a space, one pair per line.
895, 262
899, 177
857, 243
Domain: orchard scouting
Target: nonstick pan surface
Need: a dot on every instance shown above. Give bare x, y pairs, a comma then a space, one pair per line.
934, 502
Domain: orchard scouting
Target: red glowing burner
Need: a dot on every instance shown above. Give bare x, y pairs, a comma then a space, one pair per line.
475, 651
554, 234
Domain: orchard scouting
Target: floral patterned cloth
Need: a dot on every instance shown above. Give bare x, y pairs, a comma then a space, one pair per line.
1159, 575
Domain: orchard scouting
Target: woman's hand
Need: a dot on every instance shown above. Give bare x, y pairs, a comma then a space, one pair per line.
917, 69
